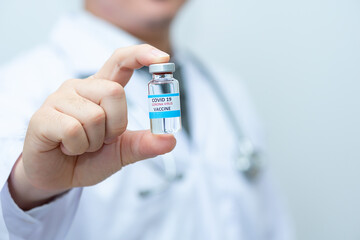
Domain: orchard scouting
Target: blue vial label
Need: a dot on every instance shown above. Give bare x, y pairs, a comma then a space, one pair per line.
164, 105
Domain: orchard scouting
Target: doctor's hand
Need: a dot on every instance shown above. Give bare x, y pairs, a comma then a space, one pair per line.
78, 137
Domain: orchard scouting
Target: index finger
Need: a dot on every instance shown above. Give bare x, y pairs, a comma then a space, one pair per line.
120, 66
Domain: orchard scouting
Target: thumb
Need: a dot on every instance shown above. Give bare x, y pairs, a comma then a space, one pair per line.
130, 147
139, 145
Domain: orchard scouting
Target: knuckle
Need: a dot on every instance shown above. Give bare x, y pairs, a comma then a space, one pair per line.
63, 91
82, 148
97, 117
52, 98
120, 129
35, 125
121, 66
119, 51
68, 83
72, 129
36, 117
95, 146
98, 145
91, 78
116, 90
39, 119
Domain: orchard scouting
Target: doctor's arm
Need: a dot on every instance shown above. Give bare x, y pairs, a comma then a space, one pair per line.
78, 137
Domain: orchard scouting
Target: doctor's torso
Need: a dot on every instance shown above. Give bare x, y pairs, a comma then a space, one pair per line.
210, 201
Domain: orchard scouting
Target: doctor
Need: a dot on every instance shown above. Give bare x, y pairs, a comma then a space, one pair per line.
64, 142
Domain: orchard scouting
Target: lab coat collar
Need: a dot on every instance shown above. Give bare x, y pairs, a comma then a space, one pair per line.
87, 41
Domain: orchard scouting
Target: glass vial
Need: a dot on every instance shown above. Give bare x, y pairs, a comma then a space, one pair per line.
164, 99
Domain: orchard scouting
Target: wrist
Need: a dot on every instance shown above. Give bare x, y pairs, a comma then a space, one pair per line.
24, 194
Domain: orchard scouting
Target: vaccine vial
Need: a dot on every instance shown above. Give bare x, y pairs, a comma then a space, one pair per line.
164, 99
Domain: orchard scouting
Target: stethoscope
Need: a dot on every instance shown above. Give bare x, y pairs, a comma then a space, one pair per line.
248, 161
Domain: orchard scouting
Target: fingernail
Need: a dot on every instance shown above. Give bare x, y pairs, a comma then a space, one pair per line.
158, 53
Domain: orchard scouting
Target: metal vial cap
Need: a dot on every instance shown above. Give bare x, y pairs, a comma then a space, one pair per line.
162, 68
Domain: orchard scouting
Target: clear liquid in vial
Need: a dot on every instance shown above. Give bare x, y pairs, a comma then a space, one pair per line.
164, 84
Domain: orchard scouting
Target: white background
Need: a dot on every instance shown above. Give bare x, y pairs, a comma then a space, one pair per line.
301, 62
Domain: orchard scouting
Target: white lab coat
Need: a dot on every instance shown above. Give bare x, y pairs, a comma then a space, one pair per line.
211, 201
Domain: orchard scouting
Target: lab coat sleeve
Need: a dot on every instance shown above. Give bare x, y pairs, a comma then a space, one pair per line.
49, 221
